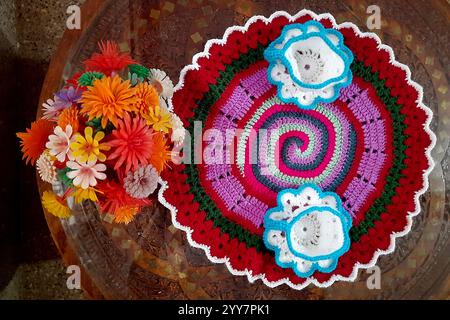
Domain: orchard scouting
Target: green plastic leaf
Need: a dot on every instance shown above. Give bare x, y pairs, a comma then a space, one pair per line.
96, 124
134, 78
87, 78
62, 176
141, 71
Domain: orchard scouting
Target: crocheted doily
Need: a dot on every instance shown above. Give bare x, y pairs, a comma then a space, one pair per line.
371, 147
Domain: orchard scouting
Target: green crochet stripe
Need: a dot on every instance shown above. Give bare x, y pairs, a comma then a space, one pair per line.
236, 231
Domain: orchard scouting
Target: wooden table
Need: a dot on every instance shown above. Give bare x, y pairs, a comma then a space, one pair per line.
150, 259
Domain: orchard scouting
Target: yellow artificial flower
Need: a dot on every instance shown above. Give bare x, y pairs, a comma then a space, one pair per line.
81, 194
159, 119
55, 205
88, 148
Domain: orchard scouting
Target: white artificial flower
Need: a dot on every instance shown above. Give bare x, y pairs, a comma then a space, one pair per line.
59, 143
142, 182
46, 169
163, 103
161, 82
50, 110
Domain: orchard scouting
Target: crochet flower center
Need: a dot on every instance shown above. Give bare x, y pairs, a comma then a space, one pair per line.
315, 234
310, 65
307, 231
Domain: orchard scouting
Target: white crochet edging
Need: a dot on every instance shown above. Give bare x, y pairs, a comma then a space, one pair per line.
353, 275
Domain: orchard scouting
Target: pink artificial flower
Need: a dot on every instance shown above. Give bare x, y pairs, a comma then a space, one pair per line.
86, 174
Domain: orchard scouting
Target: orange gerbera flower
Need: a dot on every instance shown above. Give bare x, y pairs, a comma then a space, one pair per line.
109, 99
34, 139
69, 116
131, 143
160, 152
109, 60
148, 98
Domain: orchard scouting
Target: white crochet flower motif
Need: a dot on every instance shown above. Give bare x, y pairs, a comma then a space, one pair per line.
308, 230
46, 168
59, 143
309, 64
85, 175
142, 182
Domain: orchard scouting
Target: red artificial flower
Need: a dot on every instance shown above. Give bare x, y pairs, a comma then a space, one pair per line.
361, 252
209, 70
185, 208
278, 24
34, 139
196, 84
345, 266
115, 200
273, 272
131, 143
74, 80
303, 18
109, 60
326, 22
399, 223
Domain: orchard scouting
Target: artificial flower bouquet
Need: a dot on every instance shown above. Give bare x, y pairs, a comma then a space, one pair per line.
106, 136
